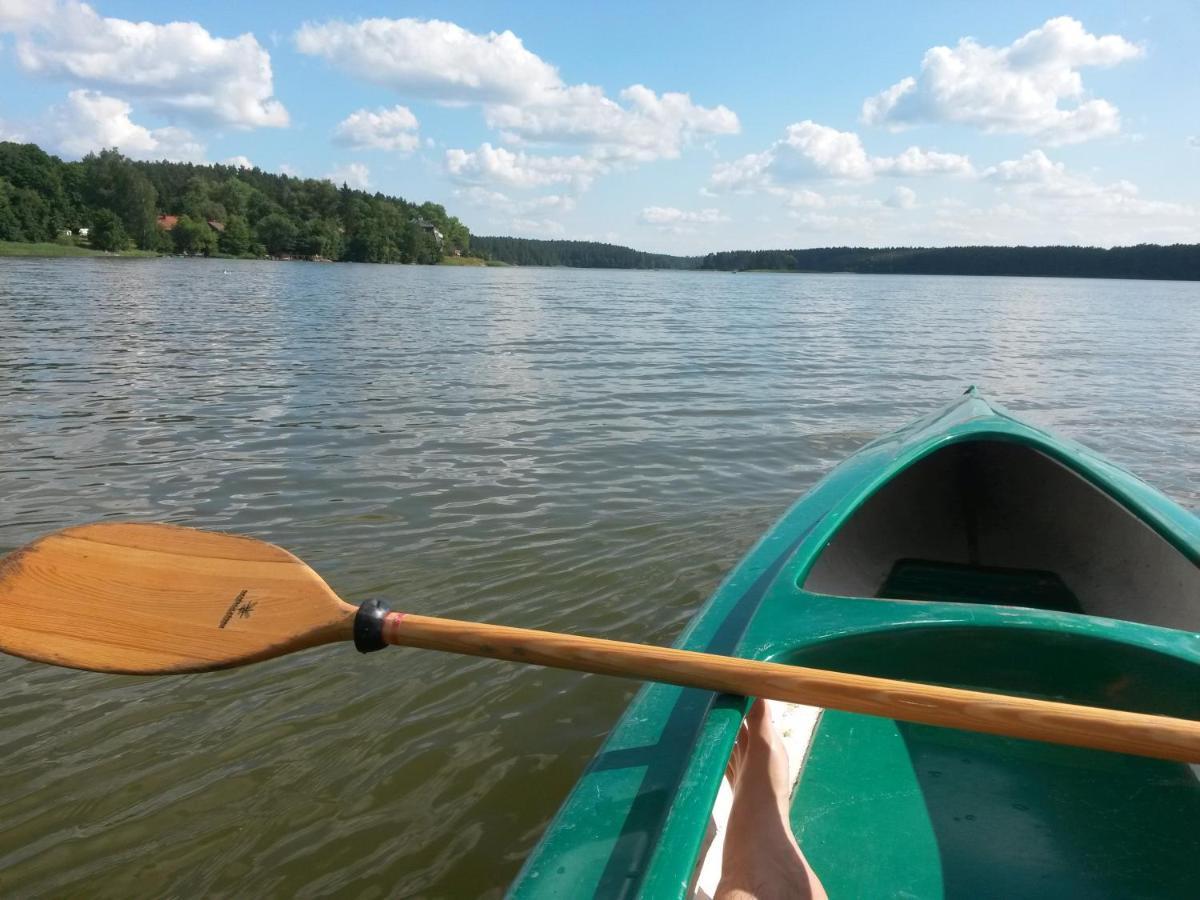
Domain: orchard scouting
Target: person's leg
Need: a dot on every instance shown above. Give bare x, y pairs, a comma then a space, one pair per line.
761, 859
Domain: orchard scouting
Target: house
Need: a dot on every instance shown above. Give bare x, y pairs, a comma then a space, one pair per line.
168, 223
429, 228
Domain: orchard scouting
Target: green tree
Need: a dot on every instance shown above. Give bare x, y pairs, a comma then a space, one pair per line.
112, 182
107, 231
236, 239
277, 233
194, 237
320, 238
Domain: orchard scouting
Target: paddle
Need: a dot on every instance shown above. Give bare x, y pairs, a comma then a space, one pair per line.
157, 599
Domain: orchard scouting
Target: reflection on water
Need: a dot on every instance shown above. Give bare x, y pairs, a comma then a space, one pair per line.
575, 450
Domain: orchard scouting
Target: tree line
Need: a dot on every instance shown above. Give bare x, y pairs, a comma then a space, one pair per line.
213, 209
579, 254
1177, 261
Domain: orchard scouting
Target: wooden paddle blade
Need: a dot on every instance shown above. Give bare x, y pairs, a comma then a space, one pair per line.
148, 599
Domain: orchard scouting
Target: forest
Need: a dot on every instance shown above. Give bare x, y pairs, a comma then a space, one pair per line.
1155, 261
208, 210
1176, 261
578, 254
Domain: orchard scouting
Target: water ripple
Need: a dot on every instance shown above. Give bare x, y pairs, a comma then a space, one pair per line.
574, 450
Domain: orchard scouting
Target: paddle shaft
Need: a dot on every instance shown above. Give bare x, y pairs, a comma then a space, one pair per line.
1139, 734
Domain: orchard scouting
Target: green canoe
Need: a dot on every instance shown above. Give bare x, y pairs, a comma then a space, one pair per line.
968, 549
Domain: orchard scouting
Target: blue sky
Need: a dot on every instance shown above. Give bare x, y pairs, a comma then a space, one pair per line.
673, 127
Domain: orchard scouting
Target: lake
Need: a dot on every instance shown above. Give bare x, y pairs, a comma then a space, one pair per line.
576, 450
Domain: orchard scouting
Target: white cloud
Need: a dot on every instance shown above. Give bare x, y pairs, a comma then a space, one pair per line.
902, 198
89, 121
1032, 168
542, 227
491, 164
649, 126
520, 95
812, 151
1194, 140
915, 162
433, 59
178, 68
495, 200
670, 216
240, 161
289, 170
355, 175
18, 15
1049, 185
1032, 86
381, 129
801, 198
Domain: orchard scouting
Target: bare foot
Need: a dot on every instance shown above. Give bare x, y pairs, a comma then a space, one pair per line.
761, 859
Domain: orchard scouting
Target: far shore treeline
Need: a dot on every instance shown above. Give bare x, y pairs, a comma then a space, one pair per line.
208, 210
1174, 262
108, 202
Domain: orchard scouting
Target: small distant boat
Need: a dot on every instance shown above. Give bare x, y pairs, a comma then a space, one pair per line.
968, 549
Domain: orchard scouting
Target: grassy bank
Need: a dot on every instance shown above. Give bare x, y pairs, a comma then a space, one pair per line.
470, 261
15, 248
463, 261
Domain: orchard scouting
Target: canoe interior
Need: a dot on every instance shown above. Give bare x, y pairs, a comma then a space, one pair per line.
890, 809
1005, 511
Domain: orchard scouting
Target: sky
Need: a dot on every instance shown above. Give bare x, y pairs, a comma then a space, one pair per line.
672, 127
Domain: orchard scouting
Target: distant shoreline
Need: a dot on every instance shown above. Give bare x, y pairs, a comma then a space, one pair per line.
52, 250
1145, 262
1154, 262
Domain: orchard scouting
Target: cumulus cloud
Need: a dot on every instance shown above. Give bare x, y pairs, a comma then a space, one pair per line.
21, 14
1039, 179
355, 175
178, 68
902, 198
649, 126
485, 198
1032, 86
240, 161
433, 59
670, 216
381, 129
1034, 167
491, 164
812, 151
89, 120
543, 227
520, 95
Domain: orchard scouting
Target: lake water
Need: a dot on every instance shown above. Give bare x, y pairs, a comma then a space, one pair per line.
574, 450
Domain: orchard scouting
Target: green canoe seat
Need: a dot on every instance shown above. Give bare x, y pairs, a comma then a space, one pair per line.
928, 580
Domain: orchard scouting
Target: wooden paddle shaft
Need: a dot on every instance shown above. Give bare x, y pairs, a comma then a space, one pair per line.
1062, 723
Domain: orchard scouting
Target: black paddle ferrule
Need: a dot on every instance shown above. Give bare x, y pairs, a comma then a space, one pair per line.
368, 626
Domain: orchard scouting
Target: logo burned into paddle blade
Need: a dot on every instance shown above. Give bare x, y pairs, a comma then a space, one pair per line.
241, 606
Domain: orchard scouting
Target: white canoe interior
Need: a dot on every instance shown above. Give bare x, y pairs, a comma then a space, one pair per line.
1003, 505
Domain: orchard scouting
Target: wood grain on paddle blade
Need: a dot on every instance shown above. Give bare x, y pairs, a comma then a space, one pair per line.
152, 598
